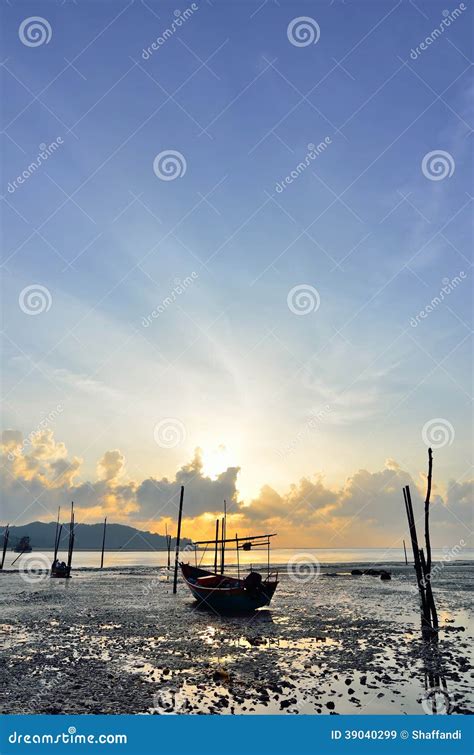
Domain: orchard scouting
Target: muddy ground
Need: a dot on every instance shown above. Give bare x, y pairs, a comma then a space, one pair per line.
118, 641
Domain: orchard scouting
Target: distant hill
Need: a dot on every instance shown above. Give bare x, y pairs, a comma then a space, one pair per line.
89, 537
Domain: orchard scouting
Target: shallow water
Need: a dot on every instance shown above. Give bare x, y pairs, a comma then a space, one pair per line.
119, 641
279, 557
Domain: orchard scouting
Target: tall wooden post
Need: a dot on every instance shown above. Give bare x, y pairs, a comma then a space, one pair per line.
217, 545
71, 539
238, 559
56, 536
222, 544
178, 538
103, 545
6, 535
405, 549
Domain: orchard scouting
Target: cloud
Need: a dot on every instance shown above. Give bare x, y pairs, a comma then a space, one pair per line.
158, 498
367, 510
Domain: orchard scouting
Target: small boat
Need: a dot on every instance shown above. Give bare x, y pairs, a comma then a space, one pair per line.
23, 546
225, 594
61, 569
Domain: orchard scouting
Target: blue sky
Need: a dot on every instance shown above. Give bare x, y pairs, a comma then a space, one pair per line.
228, 361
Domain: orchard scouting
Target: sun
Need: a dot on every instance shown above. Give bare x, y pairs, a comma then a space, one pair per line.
217, 460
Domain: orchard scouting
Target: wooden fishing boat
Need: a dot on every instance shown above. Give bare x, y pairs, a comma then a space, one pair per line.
227, 594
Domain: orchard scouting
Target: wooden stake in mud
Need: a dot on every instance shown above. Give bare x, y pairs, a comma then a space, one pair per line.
6, 535
178, 538
416, 556
217, 545
103, 545
405, 549
56, 536
222, 544
168, 546
71, 539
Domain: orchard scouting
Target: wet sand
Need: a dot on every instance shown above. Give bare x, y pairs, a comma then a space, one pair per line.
118, 641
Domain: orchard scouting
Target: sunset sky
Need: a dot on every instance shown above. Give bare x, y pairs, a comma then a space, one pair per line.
282, 344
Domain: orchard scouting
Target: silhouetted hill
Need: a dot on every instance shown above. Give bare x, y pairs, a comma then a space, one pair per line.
89, 537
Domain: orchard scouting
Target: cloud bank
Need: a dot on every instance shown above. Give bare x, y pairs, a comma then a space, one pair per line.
367, 510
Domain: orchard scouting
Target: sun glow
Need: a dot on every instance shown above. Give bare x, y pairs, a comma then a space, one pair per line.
217, 460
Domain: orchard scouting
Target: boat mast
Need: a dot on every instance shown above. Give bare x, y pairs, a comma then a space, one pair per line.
56, 538
178, 538
71, 538
217, 541
103, 545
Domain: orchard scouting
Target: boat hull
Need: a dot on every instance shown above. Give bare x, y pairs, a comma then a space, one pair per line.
233, 597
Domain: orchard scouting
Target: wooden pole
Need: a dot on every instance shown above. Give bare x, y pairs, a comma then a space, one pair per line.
427, 511
56, 538
217, 541
222, 545
71, 538
103, 545
238, 559
178, 538
416, 558
6, 535
405, 549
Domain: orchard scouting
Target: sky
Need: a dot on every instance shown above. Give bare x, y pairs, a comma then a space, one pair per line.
237, 256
